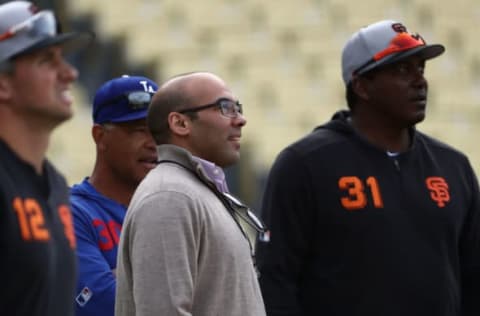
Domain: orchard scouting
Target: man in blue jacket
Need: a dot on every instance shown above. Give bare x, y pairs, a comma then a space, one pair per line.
125, 153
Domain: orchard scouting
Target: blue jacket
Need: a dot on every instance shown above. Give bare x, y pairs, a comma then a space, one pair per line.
98, 221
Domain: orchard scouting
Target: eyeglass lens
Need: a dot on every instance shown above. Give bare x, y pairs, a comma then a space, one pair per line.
230, 108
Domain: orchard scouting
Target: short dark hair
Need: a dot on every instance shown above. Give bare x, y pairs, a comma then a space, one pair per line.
7, 67
164, 102
351, 96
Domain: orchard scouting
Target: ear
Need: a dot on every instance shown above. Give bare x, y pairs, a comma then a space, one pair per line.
179, 124
6, 88
360, 87
98, 135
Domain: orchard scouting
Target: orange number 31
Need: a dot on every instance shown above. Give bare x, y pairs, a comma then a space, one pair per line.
357, 197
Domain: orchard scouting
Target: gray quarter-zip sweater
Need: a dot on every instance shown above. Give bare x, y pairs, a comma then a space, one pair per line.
181, 252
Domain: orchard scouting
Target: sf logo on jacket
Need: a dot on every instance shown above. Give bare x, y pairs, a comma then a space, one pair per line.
357, 192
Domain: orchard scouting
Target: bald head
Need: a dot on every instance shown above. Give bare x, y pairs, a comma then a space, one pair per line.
198, 112
192, 84
177, 93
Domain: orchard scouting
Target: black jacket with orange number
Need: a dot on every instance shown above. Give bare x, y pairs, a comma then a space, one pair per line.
356, 232
37, 240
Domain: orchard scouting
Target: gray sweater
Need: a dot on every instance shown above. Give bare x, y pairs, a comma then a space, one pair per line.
181, 252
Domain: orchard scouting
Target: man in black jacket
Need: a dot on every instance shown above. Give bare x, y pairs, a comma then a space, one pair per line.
37, 239
367, 215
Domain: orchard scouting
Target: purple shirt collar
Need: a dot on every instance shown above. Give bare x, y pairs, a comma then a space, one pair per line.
215, 173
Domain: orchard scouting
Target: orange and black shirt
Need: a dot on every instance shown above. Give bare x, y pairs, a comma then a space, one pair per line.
37, 240
354, 231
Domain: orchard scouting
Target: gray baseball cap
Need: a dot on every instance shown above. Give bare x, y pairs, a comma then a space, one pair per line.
24, 29
383, 43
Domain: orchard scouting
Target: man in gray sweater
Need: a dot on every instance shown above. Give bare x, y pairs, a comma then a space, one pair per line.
187, 245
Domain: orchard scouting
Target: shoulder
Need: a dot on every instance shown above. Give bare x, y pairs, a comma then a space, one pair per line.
79, 194
87, 204
55, 176
169, 177
173, 186
319, 139
437, 153
82, 207
318, 144
438, 146
188, 206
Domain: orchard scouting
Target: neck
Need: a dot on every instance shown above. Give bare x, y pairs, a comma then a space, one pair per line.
29, 144
383, 135
116, 189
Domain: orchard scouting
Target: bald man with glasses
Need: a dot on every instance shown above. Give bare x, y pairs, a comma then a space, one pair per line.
187, 242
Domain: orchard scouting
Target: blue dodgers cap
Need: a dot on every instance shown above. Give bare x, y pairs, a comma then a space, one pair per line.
123, 99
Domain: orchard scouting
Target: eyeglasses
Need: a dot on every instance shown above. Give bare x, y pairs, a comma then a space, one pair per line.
137, 100
228, 108
403, 41
40, 24
245, 213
